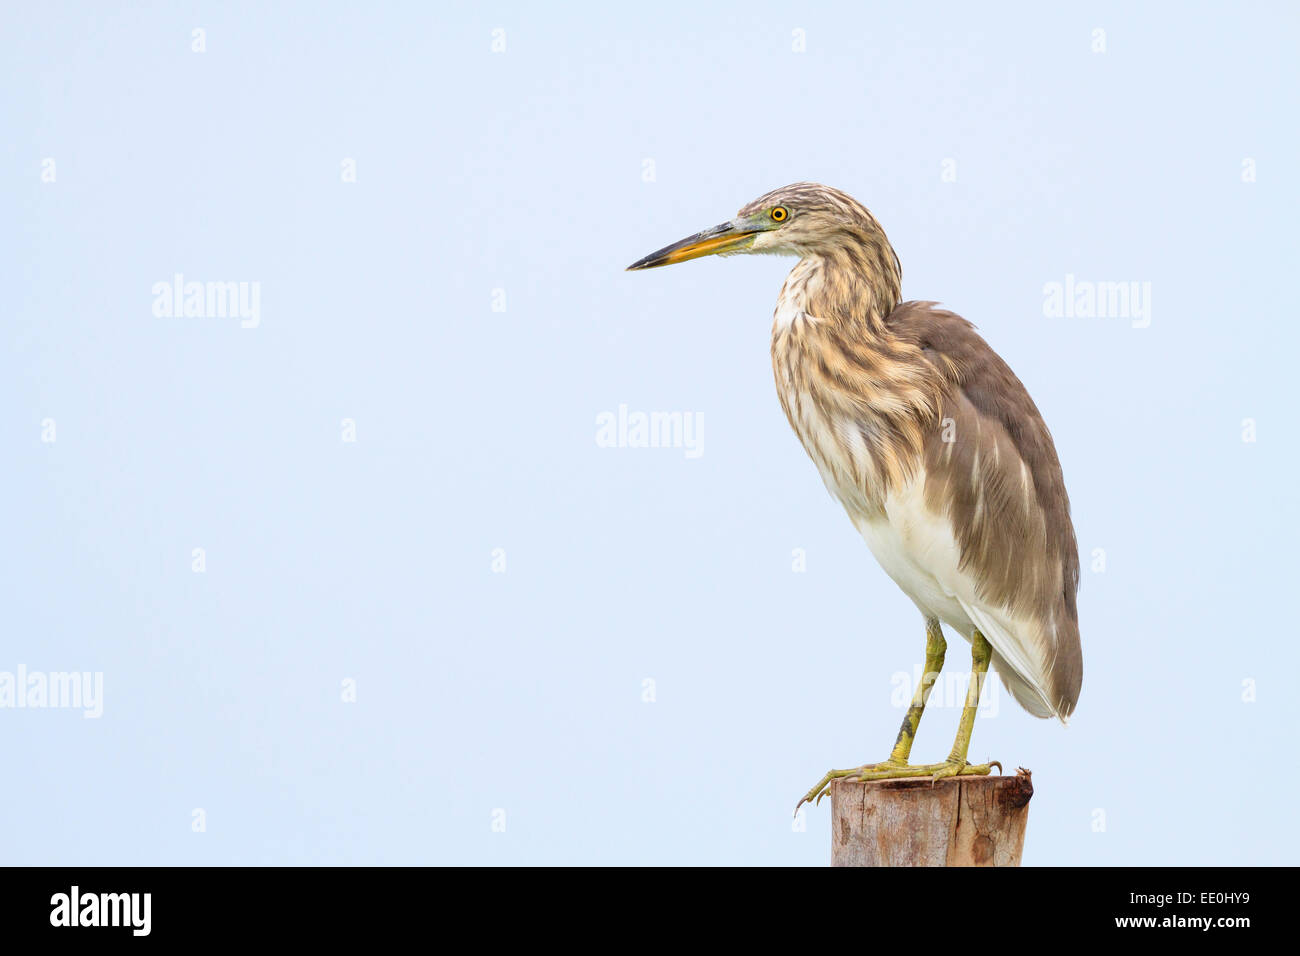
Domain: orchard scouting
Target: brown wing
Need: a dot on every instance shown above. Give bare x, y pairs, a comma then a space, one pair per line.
993, 469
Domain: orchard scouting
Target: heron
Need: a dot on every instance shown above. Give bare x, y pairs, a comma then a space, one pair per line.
933, 447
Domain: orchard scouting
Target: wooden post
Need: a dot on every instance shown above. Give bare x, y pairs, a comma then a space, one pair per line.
957, 821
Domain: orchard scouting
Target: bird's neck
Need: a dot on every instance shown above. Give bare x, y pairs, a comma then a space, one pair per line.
860, 397
854, 283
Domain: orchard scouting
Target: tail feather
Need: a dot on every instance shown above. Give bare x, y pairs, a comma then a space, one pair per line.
1025, 695
1045, 688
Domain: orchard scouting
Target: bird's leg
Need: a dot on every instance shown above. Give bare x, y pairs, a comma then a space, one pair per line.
980, 653
935, 648
897, 766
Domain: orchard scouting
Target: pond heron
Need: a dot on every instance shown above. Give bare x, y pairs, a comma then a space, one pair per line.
933, 447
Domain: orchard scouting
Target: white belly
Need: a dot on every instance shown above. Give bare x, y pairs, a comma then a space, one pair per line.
918, 551
915, 548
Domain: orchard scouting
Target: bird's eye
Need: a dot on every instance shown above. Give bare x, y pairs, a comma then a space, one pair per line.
780, 214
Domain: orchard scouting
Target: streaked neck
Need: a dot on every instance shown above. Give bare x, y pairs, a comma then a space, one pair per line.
854, 282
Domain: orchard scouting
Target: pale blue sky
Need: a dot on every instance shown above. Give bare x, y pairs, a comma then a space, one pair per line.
523, 170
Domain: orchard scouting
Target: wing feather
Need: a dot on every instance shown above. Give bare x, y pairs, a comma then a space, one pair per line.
992, 473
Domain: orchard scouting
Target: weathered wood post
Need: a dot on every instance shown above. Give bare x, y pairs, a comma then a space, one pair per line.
958, 821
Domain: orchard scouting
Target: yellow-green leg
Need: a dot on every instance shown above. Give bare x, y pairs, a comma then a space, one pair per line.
897, 765
981, 653
935, 649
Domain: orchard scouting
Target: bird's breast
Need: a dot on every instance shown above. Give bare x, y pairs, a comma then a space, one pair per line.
858, 403
837, 433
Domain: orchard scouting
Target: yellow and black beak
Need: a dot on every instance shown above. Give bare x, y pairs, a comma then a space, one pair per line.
721, 239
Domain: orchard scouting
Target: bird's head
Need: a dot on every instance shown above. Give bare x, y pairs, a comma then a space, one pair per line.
797, 220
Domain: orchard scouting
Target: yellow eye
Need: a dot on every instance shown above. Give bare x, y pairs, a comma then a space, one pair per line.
780, 214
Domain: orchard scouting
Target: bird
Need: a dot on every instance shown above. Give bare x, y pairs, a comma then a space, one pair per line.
935, 450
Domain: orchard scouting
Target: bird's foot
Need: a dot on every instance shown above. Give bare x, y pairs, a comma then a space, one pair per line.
953, 768
823, 786
891, 770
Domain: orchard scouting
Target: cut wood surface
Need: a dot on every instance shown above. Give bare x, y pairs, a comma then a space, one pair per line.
957, 821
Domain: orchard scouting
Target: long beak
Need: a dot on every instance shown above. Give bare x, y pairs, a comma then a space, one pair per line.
723, 238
